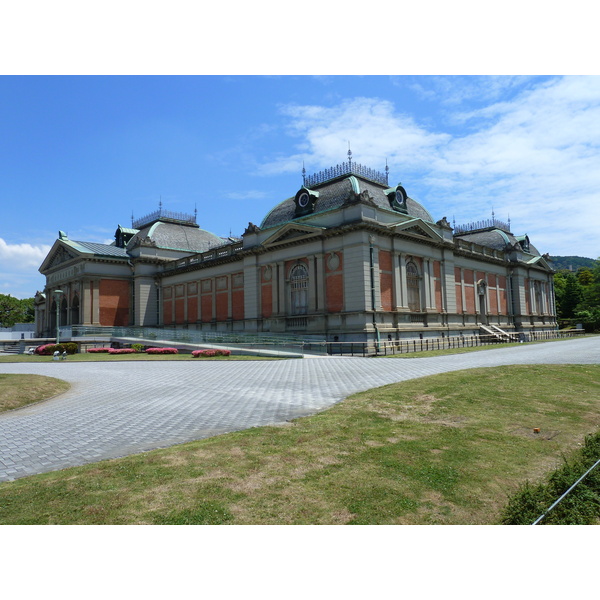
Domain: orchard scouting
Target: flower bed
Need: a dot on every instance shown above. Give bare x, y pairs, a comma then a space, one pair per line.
121, 351
162, 351
98, 350
210, 353
49, 349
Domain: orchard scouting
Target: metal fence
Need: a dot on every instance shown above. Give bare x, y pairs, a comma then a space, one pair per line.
384, 348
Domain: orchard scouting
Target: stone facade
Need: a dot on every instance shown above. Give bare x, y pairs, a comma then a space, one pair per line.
348, 259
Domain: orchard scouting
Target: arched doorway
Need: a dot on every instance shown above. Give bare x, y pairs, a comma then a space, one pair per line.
413, 286
75, 310
64, 313
482, 295
299, 290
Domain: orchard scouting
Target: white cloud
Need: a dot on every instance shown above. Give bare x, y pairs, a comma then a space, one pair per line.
247, 195
15, 257
370, 125
535, 156
18, 268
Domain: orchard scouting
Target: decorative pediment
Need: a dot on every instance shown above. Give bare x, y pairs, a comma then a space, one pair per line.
417, 228
292, 232
59, 256
540, 261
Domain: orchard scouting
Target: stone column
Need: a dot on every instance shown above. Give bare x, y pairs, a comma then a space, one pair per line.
427, 282
312, 279
396, 280
320, 283
96, 302
281, 288
252, 278
403, 283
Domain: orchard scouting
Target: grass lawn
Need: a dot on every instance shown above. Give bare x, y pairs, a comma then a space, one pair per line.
446, 449
20, 390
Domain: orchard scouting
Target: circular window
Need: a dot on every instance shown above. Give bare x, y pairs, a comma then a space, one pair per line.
303, 199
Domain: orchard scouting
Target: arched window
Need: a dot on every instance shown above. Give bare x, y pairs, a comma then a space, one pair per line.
75, 310
299, 290
64, 312
538, 308
413, 284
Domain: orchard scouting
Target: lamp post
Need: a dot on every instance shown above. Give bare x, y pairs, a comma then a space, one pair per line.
57, 294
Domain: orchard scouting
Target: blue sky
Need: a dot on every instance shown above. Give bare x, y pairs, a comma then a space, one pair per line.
82, 153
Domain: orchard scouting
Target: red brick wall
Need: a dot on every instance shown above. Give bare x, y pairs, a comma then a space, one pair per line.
470, 299
206, 307
458, 291
167, 312
334, 283
385, 279
385, 260
179, 310
192, 309
237, 304
222, 306
334, 290
114, 302
503, 295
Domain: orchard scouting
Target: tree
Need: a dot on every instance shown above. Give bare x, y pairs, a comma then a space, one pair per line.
568, 294
13, 310
591, 293
585, 276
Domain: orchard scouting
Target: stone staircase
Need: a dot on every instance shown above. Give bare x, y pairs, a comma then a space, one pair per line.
499, 334
9, 347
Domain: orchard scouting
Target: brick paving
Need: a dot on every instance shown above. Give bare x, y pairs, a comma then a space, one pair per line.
124, 408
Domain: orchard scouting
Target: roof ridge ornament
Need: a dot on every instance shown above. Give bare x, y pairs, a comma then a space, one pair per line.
346, 168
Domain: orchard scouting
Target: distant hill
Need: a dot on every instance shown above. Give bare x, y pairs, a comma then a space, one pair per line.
572, 263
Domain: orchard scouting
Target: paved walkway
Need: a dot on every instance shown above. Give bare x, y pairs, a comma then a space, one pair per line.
123, 408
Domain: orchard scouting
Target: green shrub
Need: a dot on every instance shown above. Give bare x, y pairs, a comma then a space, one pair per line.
137, 347
50, 349
580, 507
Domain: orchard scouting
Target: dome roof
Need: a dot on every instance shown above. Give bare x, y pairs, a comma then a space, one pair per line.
175, 236
499, 240
338, 192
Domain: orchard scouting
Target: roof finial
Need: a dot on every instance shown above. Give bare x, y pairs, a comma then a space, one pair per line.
303, 174
349, 155
132, 219
387, 171
160, 203
195, 213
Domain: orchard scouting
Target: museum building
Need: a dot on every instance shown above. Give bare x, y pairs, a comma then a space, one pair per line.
346, 258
